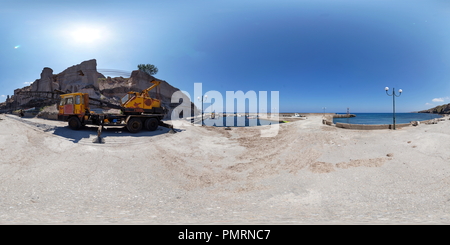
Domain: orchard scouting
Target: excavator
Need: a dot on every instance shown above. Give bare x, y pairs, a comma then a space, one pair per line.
137, 111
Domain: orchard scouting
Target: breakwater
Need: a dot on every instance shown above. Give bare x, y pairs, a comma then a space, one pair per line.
344, 115
328, 120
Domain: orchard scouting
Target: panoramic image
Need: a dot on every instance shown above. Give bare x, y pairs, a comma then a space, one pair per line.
225, 112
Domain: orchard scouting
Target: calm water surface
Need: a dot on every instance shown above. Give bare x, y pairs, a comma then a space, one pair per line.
385, 118
236, 122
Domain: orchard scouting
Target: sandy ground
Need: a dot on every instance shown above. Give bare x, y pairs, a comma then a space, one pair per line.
308, 174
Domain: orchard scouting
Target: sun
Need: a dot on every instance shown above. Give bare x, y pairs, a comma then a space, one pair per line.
86, 34
92, 35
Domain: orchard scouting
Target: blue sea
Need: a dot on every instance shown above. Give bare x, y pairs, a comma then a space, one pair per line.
385, 118
236, 122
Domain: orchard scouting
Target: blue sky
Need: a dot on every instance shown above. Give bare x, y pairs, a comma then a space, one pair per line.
316, 53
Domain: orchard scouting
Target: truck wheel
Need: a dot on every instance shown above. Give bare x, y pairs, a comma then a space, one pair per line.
74, 123
151, 124
134, 125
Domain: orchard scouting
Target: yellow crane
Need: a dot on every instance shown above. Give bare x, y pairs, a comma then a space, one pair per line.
141, 102
138, 111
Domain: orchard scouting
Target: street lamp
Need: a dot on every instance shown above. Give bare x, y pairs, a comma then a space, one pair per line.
202, 99
393, 100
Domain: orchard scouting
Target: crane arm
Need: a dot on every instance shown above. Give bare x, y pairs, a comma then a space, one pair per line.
155, 83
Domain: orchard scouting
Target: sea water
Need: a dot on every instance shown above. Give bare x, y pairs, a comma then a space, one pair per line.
385, 118
234, 121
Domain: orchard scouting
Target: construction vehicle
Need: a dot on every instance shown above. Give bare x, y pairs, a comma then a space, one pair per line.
137, 111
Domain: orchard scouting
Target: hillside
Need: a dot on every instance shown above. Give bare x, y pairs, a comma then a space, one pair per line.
441, 109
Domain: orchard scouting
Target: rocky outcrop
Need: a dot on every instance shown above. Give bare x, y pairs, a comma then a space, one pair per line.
46, 82
71, 79
140, 80
16, 100
114, 87
85, 78
79, 76
441, 109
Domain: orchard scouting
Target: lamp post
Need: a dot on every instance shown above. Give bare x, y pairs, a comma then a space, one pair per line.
202, 99
393, 100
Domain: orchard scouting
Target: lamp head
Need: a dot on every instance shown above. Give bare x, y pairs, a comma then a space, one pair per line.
400, 91
387, 88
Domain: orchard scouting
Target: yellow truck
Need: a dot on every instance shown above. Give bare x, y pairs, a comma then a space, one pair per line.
137, 111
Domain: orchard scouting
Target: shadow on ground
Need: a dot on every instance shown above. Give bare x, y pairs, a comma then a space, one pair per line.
87, 132
91, 132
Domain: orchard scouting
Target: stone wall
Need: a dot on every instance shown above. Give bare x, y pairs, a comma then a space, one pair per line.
48, 115
371, 126
328, 120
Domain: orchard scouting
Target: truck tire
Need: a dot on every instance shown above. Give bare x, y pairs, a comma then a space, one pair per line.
134, 125
74, 123
151, 124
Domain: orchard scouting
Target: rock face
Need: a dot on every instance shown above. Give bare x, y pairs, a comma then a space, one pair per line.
46, 82
114, 87
85, 78
79, 76
71, 79
442, 109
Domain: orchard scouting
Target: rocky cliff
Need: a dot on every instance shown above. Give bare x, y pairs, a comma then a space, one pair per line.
441, 109
85, 78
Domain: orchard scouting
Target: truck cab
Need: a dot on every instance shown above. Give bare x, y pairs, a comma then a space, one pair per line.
73, 105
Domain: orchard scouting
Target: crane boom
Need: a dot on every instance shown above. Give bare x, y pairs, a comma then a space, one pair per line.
155, 83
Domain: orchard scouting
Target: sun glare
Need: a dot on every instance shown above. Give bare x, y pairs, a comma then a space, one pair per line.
86, 35
91, 35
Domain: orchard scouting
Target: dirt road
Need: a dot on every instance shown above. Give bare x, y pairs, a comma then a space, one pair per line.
307, 174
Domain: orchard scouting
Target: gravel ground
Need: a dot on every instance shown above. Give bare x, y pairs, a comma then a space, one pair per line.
308, 173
